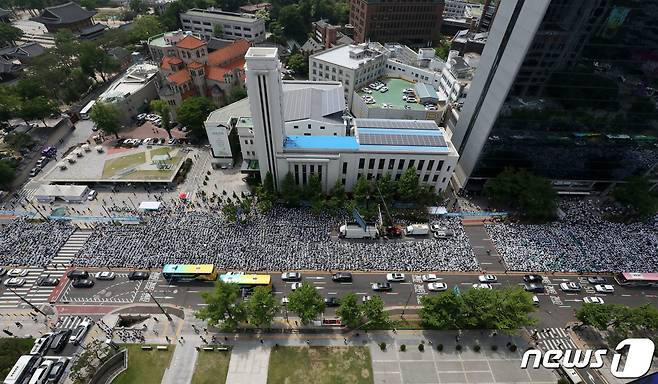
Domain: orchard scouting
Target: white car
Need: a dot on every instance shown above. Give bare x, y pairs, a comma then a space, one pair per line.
105, 275
92, 195
437, 287
482, 286
535, 300
15, 282
429, 278
488, 278
41, 374
570, 287
435, 227
592, 300
383, 89
17, 272
294, 286
79, 332
284, 300
395, 277
604, 288
366, 298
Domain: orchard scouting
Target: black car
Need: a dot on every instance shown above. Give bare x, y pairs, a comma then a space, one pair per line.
57, 370
382, 287
47, 281
82, 283
3, 271
534, 287
342, 277
331, 302
596, 280
59, 340
532, 278
138, 275
77, 274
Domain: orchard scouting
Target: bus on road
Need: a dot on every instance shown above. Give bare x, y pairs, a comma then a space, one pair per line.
247, 281
203, 272
85, 112
634, 279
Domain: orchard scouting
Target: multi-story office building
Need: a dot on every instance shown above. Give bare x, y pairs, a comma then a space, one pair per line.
563, 89
298, 127
413, 22
233, 25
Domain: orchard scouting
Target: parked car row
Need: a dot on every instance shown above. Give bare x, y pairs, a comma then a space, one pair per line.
82, 279
134, 143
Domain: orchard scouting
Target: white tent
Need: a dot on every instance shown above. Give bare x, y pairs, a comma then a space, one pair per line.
68, 193
150, 205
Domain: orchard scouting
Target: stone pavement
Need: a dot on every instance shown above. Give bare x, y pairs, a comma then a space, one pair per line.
248, 364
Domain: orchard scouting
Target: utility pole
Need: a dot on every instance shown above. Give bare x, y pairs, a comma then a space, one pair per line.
26, 301
160, 306
411, 291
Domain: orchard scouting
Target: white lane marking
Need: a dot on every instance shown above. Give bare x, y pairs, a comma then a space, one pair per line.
565, 306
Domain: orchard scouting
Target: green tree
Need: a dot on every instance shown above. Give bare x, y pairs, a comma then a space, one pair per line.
37, 109
306, 302
138, 6
298, 63
145, 27
261, 307
268, 184
636, 193
94, 60
534, 196
106, 118
192, 112
409, 186
443, 48
236, 93
162, 108
313, 190
597, 315
293, 22
361, 190
386, 186
9, 103
290, 190
373, 310
217, 30
224, 307
349, 311
7, 173
19, 141
9, 34
442, 311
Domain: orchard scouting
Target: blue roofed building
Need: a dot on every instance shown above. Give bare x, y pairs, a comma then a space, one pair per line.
304, 128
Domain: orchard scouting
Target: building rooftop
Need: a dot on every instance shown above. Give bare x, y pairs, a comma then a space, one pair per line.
393, 96
190, 42
133, 80
351, 56
224, 114
320, 143
222, 15
67, 13
400, 136
312, 99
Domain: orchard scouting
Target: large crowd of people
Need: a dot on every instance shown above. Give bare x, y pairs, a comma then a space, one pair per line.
34, 244
582, 240
282, 239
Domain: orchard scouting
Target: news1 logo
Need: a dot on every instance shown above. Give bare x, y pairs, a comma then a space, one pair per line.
638, 358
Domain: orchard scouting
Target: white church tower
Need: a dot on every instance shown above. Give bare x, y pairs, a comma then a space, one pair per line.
264, 88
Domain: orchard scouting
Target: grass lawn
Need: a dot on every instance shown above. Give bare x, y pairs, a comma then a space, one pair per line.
161, 151
320, 365
145, 367
113, 166
211, 367
10, 351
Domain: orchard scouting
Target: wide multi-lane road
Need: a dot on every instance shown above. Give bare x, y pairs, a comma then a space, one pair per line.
556, 308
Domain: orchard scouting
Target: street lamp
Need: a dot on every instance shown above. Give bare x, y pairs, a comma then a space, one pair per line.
26, 301
160, 306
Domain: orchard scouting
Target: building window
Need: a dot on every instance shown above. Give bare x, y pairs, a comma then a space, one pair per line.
297, 174
426, 178
343, 181
251, 142
312, 168
344, 168
411, 163
400, 165
420, 164
296, 127
440, 165
435, 178
371, 164
307, 134
322, 127
381, 163
309, 126
304, 174
444, 180
391, 163
430, 165
361, 163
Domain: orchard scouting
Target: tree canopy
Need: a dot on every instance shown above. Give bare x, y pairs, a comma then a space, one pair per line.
144, 27
621, 321
506, 310
106, 118
9, 34
533, 195
261, 307
306, 302
636, 193
192, 112
223, 306
349, 311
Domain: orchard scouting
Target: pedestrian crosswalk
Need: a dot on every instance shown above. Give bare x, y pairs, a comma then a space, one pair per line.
69, 322
57, 268
554, 338
27, 193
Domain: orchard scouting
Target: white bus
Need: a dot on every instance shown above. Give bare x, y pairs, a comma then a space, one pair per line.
571, 374
22, 369
86, 110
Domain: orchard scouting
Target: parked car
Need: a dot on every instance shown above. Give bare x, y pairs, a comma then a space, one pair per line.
331, 302
41, 374
15, 282
3, 271
592, 300
604, 288
34, 171
437, 287
532, 278
570, 287
79, 332
596, 280
395, 277
105, 275
57, 370
17, 272
82, 283
294, 286
138, 275
534, 287
92, 195
535, 300
429, 278
342, 277
59, 340
382, 287
482, 286
77, 274
291, 276
487, 278
47, 281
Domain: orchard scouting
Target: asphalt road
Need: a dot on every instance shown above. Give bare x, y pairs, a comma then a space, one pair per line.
556, 308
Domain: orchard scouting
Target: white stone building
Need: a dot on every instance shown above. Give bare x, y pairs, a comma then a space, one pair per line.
235, 26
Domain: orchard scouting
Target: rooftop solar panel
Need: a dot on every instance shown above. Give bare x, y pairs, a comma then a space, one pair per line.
395, 124
402, 140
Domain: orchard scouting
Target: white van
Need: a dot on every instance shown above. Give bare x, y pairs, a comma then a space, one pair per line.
41, 374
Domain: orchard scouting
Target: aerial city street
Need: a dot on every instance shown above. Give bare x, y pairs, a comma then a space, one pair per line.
328, 191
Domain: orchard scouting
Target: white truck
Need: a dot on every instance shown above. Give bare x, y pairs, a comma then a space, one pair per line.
417, 230
354, 231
